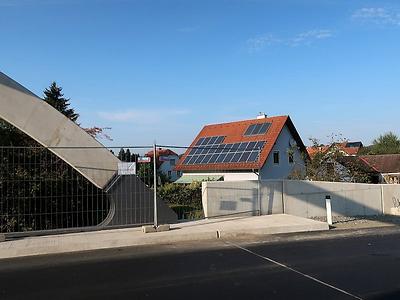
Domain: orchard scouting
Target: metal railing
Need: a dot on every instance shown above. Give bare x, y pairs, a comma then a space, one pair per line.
41, 192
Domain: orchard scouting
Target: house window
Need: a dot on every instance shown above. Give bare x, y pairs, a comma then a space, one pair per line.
276, 157
172, 162
290, 157
178, 173
169, 173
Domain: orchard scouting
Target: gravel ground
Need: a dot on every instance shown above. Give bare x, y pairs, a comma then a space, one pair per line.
362, 221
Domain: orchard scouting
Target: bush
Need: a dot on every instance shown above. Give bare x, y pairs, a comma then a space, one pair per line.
184, 199
187, 212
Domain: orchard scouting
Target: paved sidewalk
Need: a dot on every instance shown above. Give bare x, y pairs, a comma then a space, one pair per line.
236, 227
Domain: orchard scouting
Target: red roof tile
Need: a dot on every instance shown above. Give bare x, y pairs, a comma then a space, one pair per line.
234, 133
313, 150
386, 163
161, 152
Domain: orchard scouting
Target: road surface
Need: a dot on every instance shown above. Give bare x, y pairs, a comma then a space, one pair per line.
358, 267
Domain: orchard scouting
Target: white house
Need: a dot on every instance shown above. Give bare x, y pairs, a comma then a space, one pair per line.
265, 148
166, 162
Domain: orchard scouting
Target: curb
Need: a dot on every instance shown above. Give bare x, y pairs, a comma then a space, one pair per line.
13, 250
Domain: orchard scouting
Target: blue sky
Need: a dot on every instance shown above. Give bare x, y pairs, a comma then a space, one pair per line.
163, 69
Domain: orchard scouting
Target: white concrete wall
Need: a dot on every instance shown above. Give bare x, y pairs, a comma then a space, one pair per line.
391, 197
300, 198
228, 198
228, 176
307, 199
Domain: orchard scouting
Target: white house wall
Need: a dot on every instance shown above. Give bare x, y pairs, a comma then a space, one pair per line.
167, 167
284, 168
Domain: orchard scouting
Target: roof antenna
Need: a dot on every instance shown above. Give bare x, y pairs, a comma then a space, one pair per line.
261, 115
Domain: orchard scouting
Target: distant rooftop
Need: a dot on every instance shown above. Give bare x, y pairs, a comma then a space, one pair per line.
349, 148
386, 163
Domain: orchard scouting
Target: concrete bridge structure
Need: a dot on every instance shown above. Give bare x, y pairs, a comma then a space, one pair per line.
51, 129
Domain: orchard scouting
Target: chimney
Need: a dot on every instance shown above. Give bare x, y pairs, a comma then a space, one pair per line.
261, 115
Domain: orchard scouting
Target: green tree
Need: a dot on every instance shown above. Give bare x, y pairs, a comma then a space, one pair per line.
388, 143
55, 98
121, 154
11, 136
128, 155
331, 164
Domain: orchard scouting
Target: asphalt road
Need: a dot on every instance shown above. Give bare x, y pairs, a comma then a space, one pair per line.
360, 267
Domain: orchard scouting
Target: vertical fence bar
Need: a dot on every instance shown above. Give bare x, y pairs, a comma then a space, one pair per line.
259, 183
155, 183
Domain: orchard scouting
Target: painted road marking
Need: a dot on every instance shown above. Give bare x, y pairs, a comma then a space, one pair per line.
295, 271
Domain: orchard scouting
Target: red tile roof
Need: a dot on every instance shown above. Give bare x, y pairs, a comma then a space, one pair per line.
313, 150
386, 163
234, 133
161, 152
349, 150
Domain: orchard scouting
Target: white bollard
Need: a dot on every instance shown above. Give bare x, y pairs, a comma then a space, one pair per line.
328, 209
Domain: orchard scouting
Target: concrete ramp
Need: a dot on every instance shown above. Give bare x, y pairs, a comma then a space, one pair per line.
50, 128
204, 230
245, 226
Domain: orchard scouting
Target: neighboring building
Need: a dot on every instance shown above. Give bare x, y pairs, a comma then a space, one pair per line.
166, 161
386, 165
270, 146
379, 168
347, 148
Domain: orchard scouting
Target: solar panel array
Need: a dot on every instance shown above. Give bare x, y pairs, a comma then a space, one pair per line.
353, 144
212, 150
255, 129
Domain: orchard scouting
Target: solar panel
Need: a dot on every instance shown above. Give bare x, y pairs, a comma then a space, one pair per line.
244, 157
199, 141
205, 150
228, 157
213, 158
250, 129
212, 140
185, 162
206, 159
221, 158
191, 158
219, 140
353, 144
259, 145
253, 156
264, 128
250, 146
212, 150
256, 129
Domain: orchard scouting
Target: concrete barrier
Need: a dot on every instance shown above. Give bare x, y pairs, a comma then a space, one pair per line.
242, 197
390, 198
307, 199
299, 198
230, 197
